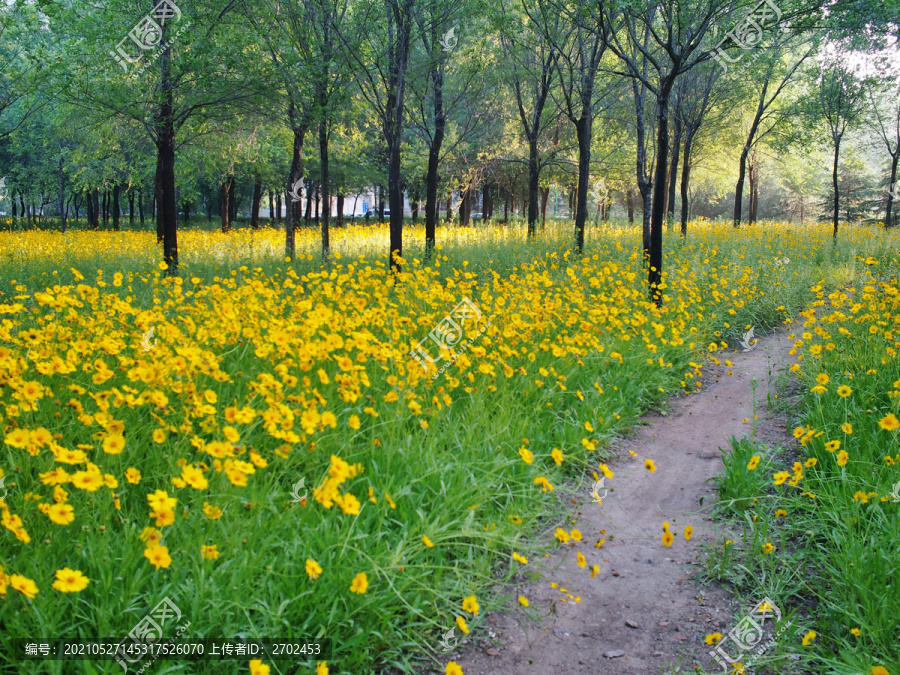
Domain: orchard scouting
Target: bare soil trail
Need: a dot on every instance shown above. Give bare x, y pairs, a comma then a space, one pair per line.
644, 613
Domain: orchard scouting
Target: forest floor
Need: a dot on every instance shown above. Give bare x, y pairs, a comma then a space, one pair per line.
645, 612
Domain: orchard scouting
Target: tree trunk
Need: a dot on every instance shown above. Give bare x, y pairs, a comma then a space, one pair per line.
278, 206
644, 184
131, 207
326, 197
673, 172
834, 183
115, 207
545, 194
629, 204
340, 210
739, 188
254, 205
187, 212
62, 198
894, 189
685, 182
754, 191
95, 195
141, 206
583, 129
224, 196
232, 203
105, 209
659, 189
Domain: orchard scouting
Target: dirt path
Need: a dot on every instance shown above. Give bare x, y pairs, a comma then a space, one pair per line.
643, 613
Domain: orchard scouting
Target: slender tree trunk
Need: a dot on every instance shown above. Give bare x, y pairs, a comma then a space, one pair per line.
644, 185
254, 205
326, 197
629, 205
534, 174
187, 212
131, 207
659, 190
834, 183
105, 209
545, 194
685, 182
96, 198
224, 196
62, 198
583, 128
141, 206
232, 202
165, 145
739, 188
340, 210
278, 205
895, 189
115, 207
673, 172
754, 191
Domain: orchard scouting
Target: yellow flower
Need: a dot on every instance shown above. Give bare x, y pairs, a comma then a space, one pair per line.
520, 558
70, 581
61, 514
842, 458
322, 668
767, 548
667, 539
360, 584
688, 532
606, 471
354, 422
589, 427
889, 422
313, 569
582, 561
453, 669
526, 455
649, 465
822, 378
808, 638
113, 445
847, 428
390, 501
780, 477
211, 512
90, 481
158, 556
194, 477
812, 461
595, 570
546, 486
427, 542
461, 622
713, 638
780, 513
855, 631
523, 601
576, 535
879, 670
24, 585
257, 667
753, 463
844, 391
209, 552
831, 446
470, 605
562, 535
557, 456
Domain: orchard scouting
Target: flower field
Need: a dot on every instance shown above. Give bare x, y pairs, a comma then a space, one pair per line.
253, 439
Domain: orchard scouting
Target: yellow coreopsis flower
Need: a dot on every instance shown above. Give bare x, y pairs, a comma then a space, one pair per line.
470, 605
70, 581
313, 569
360, 584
